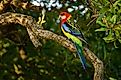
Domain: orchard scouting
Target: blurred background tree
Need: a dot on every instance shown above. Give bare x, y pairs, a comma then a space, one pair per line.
98, 20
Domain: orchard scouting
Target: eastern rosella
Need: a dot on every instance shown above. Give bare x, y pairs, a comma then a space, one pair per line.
74, 34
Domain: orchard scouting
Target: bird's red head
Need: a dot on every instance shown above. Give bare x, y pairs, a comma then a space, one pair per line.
64, 16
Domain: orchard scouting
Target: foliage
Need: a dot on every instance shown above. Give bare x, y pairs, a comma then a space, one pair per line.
109, 19
110, 31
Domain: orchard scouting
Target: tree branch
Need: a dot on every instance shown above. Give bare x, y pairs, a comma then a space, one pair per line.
26, 5
3, 4
35, 32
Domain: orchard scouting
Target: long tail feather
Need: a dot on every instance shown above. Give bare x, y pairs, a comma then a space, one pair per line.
80, 54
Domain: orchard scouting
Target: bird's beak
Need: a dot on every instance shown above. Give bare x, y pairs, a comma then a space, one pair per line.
59, 17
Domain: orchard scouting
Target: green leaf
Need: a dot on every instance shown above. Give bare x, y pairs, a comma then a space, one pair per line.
108, 17
100, 17
100, 23
112, 10
101, 29
109, 38
119, 40
115, 4
119, 4
113, 19
117, 33
104, 10
105, 53
112, 78
105, 7
119, 11
115, 44
117, 28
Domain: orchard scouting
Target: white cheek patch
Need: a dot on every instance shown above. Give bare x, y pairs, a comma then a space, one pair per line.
63, 17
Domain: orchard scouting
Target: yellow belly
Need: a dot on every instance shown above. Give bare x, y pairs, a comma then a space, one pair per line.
72, 37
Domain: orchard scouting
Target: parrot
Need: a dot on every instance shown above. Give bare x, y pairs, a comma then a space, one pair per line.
74, 34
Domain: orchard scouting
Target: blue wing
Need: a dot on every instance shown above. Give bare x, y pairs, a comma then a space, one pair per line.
68, 28
74, 31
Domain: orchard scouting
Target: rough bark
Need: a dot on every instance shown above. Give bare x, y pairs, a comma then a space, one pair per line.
4, 4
